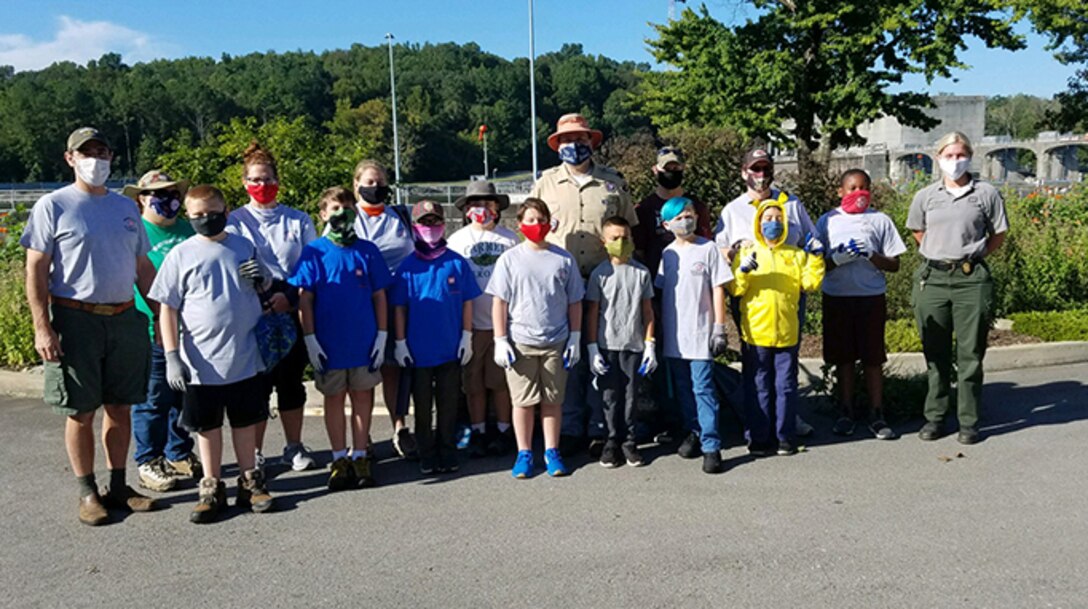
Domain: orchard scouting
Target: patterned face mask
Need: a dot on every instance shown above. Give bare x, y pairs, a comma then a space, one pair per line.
342, 226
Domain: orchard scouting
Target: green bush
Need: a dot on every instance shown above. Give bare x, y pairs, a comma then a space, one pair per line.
1053, 325
901, 335
904, 395
16, 331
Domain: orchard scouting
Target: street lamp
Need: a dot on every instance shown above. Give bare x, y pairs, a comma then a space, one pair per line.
532, 86
393, 94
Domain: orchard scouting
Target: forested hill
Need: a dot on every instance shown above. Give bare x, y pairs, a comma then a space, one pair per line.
336, 99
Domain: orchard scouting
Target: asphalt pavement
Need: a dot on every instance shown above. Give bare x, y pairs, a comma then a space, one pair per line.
854, 523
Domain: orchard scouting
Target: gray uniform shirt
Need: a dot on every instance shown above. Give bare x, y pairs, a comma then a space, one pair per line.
279, 233
217, 309
620, 290
957, 227
93, 241
538, 286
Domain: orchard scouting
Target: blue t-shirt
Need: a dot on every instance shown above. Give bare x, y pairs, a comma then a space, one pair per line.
343, 281
434, 291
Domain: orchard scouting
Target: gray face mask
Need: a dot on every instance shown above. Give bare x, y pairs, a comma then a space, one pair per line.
682, 227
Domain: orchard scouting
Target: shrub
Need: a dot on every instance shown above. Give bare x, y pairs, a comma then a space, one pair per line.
904, 395
901, 335
1053, 325
16, 331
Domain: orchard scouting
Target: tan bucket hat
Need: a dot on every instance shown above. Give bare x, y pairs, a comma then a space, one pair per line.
154, 180
574, 123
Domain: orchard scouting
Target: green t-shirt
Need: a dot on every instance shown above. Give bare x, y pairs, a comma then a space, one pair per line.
163, 239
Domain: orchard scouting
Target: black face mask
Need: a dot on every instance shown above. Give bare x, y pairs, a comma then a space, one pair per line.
374, 195
209, 225
669, 179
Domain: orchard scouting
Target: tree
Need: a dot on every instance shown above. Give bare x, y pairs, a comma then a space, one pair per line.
1020, 116
1065, 22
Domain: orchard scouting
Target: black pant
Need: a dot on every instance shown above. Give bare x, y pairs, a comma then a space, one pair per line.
438, 387
619, 390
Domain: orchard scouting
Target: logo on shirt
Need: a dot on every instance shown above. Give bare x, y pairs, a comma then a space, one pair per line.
130, 224
699, 268
610, 187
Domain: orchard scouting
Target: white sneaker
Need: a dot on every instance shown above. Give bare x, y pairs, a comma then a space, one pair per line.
258, 460
297, 457
153, 476
801, 428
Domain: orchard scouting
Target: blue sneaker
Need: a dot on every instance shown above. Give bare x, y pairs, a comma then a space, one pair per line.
523, 467
555, 463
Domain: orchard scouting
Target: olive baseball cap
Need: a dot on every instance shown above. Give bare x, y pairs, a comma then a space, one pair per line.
86, 134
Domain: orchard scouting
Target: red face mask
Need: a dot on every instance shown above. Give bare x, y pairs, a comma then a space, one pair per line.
535, 232
263, 193
856, 202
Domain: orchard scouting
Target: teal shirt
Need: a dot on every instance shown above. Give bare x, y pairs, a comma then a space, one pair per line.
163, 239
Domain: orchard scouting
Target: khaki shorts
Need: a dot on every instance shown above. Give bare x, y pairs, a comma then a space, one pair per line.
537, 376
481, 374
335, 382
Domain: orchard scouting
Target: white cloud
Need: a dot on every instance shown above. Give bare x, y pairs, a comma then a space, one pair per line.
80, 42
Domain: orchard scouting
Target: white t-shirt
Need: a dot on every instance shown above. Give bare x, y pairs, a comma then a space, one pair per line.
482, 249
217, 309
737, 221
538, 286
279, 234
687, 276
873, 228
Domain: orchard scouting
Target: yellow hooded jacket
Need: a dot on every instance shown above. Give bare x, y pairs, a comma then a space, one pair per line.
771, 294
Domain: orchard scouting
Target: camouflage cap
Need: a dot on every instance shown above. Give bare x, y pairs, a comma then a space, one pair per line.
81, 136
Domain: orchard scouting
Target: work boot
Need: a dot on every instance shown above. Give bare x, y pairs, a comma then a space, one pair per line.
128, 500
189, 467
91, 511
212, 499
252, 493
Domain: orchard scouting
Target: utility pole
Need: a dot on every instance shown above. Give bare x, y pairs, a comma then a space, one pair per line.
393, 94
532, 87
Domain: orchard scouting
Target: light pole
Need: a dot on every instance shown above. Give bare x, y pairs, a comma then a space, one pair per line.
393, 94
532, 86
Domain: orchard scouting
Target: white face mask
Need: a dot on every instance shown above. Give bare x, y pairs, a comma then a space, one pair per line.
93, 171
954, 168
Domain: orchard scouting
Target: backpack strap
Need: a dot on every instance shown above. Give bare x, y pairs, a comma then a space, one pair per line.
405, 216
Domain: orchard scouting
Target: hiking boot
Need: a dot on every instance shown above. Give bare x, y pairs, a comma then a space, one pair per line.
712, 462
930, 431
502, 443
361, 469
477, 444
844, 427
631, 454
405, 444
596, 447
967, 435
691, 447
297, 457
610, 455
127, 500
91, 511
252, 492
801, 428
154, 476
212, 498
189, 467
342, 475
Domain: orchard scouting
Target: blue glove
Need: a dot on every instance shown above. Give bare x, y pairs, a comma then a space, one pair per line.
813, 245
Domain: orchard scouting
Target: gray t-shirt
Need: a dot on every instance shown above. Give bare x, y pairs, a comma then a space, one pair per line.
620, 290
93, 241
737, 221
873, 228
279, 233
387, 231
688, 274
538, 286
482, 249
217, 309
957, 227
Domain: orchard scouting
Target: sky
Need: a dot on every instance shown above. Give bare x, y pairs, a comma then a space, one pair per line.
35, 33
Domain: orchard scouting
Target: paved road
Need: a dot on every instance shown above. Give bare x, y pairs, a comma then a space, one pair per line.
849, 524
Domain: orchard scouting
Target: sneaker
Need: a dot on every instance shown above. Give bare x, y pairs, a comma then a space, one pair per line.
631, 454
447, 463
760, 450
502, 443
786, 449
212, 499
967, 435
881, 430
477, 444
154, 476
523, 466
930, 431
298, 457
252, 492
464, 436
664, 437
361, 468
189, 467
342, 475
712, 462
596, 447
259, 460
427, 465
691, 447
92, 512
405, 444
554, 462
802, 428
843, 427
610, 455
128, 500
570, 445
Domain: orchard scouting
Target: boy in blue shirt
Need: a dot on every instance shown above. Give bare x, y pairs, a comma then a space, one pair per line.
433, 291
342, 307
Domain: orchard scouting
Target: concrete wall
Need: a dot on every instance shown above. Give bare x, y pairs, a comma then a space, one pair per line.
966, 113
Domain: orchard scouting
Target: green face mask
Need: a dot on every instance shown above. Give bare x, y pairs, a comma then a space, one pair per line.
620, 248
342, 226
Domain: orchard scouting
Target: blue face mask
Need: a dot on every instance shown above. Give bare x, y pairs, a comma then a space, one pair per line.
772, 230
575, 153
166, 206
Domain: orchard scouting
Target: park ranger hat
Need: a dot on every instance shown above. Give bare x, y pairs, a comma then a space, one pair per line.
427, 208
481, 189
574, 123
155, 180
86, 134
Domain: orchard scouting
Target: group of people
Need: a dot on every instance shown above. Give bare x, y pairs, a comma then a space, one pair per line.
162, 303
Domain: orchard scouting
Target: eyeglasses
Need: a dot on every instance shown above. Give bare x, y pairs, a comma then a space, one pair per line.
262, 180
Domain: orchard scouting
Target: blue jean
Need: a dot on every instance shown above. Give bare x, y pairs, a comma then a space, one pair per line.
155, 423
774, 375
694, 381
581, 404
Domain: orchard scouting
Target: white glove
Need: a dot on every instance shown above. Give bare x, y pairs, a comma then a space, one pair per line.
464, 350
504, 353
572, 354
813, 245
749, 264
377, 352
177, 375
401, 354
649, 358
316, 353
597, 365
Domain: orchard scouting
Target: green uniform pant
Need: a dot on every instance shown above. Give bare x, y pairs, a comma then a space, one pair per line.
947, 303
